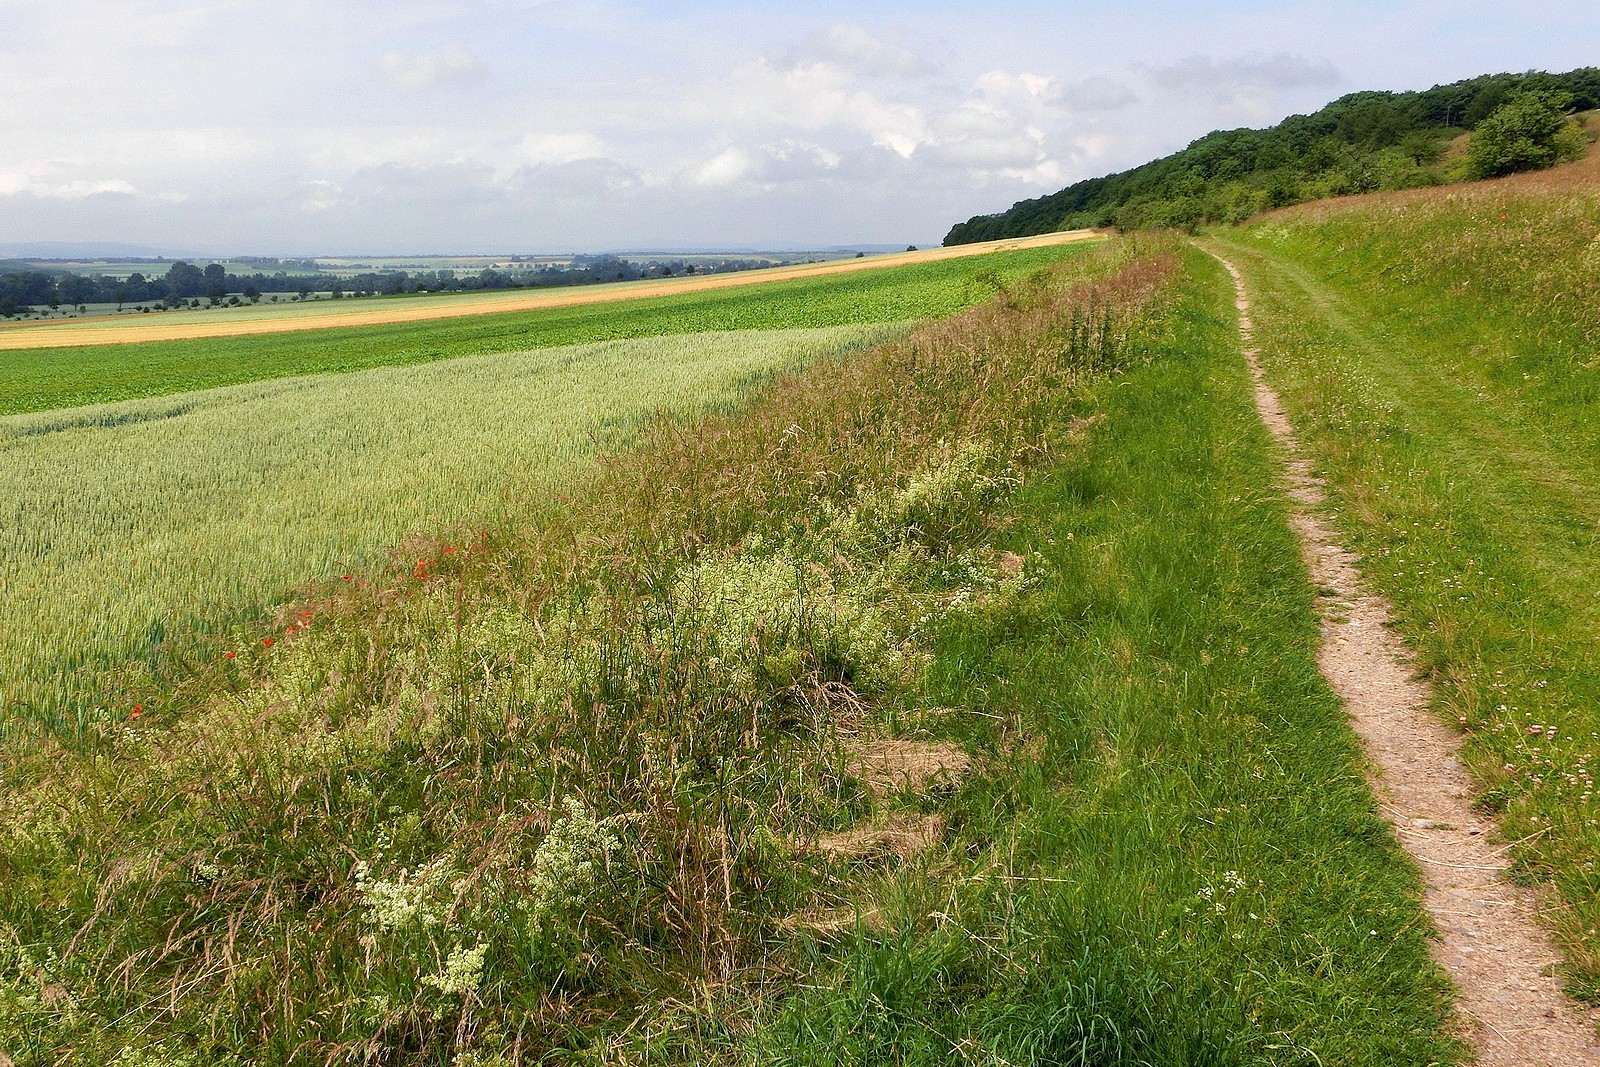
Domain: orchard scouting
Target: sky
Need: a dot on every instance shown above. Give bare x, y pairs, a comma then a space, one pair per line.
329, 127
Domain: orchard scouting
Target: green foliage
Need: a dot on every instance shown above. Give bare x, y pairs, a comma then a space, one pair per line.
1359, 143
1529, 131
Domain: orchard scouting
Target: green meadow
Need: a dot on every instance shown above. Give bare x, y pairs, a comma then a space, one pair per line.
952, 696
1438, 353
44, 379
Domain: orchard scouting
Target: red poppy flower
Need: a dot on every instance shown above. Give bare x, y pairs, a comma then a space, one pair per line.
266, 642
227, 655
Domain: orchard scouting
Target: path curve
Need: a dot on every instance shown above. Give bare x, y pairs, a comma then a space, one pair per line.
1501, 960
295, 317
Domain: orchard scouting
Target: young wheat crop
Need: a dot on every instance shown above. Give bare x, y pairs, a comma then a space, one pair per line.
126, 524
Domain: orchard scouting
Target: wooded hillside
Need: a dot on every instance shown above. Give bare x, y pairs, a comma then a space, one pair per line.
1358, 143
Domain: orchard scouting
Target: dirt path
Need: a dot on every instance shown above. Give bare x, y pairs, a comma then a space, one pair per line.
1490, 942
289, 318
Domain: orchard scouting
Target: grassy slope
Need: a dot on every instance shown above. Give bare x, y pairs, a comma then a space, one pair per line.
1438, 353
45, 379
1178, 861
353, 845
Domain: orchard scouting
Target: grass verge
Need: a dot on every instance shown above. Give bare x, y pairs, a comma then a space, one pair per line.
1174, 858
1436, 353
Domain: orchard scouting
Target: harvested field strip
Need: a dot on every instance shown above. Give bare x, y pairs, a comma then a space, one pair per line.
41, 380
260, 320
127, 526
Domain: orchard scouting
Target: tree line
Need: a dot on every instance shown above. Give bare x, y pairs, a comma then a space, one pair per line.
23, 290
1359, 143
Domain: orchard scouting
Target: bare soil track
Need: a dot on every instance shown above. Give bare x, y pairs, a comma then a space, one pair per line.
1490, 942
272, 319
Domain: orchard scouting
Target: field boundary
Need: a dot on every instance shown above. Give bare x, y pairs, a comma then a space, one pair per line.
1501, 960
80, 333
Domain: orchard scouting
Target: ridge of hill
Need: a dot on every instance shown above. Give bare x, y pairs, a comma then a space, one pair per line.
1361, 142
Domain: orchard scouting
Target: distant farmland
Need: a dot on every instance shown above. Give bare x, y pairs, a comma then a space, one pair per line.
182, 502
277, 318
43, 379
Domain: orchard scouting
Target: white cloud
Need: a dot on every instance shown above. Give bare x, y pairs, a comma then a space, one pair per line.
565, 147
800, 157
1024, 88
852, 47
81, 188
1098, 93
726, 168
320, 195
51, 179
452, 65
1249, 82
788, 162
1009, 126
812, 97
574, 124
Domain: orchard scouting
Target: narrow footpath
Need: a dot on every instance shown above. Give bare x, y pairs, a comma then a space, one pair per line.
1490, 943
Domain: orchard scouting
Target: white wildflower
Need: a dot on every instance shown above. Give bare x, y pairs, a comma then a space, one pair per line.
413, 899
568, 861
463, 970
